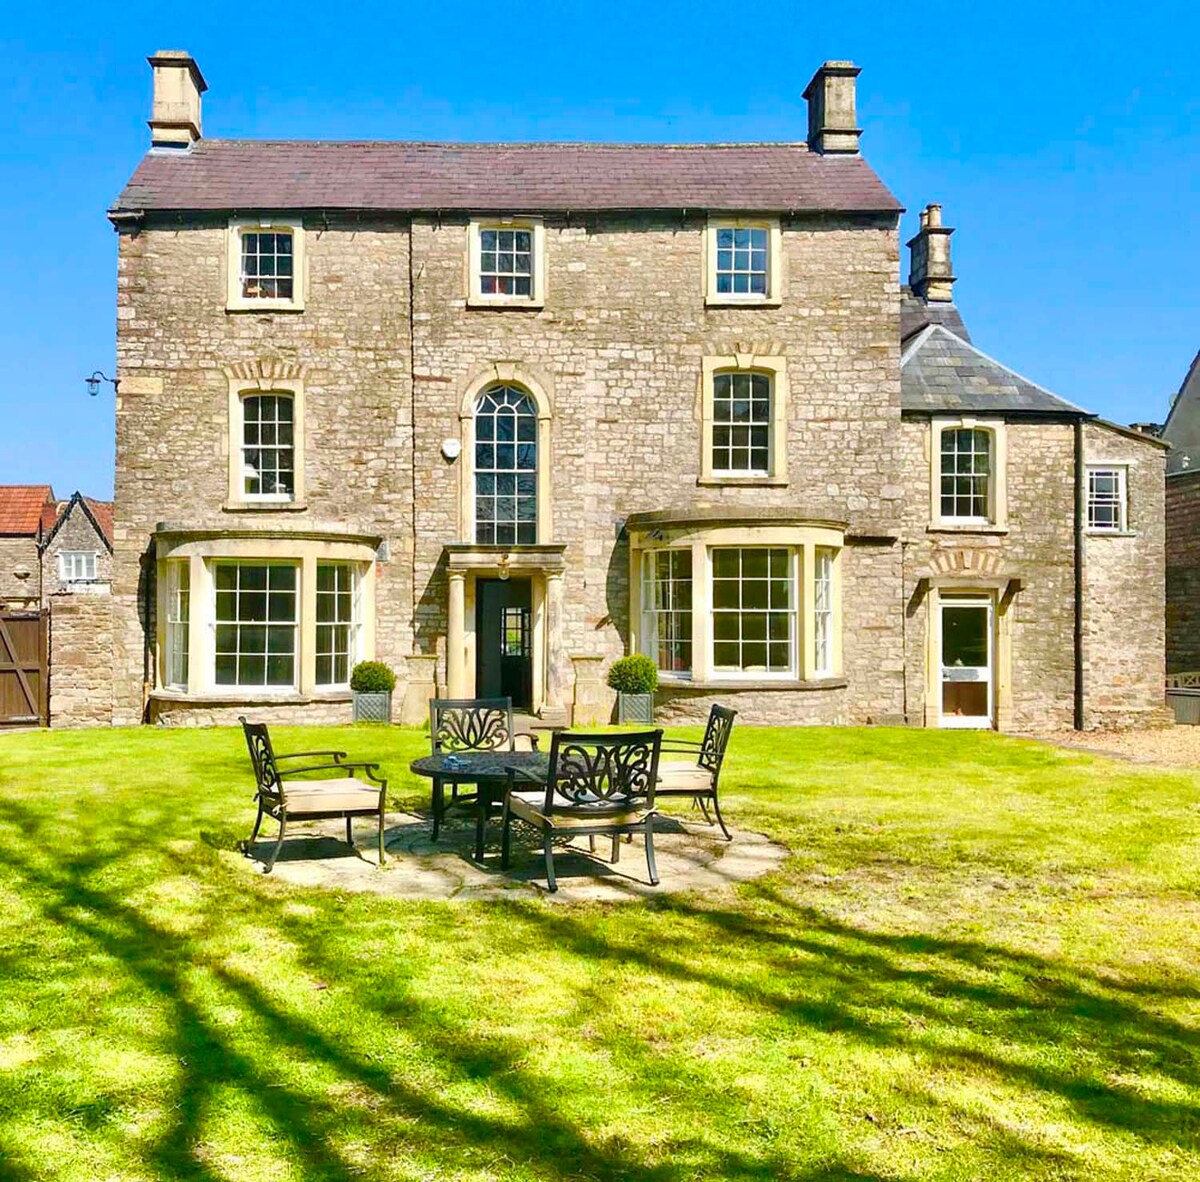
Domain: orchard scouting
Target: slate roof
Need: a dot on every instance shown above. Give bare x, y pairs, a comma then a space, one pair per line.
1182, 428
940, 371
228, 175
26, 510
915, 314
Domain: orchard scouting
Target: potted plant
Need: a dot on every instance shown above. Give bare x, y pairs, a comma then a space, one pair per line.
371, 685
635, 678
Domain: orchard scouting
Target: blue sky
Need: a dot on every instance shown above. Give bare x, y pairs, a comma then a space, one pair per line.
1062, 140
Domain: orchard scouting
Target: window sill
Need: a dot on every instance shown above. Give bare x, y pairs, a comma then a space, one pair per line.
264, 506
758, 683
518, 302
1111, 533
743, 481
948, 527
231, 696
723, 301
264, 306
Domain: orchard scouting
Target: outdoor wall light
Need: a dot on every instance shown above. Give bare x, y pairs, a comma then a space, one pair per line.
93, 383
451, 448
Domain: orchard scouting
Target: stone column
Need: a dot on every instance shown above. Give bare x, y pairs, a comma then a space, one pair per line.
555, 652
456, 636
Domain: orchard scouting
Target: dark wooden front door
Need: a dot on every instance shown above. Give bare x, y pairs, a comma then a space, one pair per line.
503, 640
23, 681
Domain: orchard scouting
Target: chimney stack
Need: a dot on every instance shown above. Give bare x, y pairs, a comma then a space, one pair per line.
930, 276
830, 97
178, 85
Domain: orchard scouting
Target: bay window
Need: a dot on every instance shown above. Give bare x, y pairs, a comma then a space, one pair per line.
178, 616
667, 610
753, 610
337, 623
256, 618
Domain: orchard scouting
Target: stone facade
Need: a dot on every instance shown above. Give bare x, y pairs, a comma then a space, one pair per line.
81, 666
1183, 571
20, 573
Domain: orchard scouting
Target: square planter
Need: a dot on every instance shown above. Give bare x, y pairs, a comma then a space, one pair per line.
375, 707
635, 708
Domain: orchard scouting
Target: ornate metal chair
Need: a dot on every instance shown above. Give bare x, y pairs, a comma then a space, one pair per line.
599, 785
468, 724
698, 777
309, 800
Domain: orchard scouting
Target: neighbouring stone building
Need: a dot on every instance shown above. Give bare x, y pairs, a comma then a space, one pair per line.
76, 555
27, 514
497, 414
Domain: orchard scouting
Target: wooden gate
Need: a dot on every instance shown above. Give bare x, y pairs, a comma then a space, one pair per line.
23, 674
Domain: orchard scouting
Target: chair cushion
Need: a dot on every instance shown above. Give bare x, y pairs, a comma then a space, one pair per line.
329, 796
681, 779
529, 805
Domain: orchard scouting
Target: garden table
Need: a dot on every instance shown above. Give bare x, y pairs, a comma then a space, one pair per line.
487, 770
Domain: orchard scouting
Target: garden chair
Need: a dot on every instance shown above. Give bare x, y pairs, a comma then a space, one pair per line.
598, 785
309, 800
468, 724
699, 776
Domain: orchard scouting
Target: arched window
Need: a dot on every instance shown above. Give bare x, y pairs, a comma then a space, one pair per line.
506, 458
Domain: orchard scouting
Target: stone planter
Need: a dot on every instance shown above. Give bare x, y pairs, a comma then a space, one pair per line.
372, 707
635, 708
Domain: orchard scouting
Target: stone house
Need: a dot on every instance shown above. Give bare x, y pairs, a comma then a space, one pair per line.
1182, 432
27, 514
497, 414
76, 555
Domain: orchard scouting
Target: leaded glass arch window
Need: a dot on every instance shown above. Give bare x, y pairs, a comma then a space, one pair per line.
505, 467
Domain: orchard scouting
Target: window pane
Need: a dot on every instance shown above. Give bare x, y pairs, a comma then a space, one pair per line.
505, 472
666, 605
753, 615
742, 261
265, 255
741, 423
966, 458
249, 651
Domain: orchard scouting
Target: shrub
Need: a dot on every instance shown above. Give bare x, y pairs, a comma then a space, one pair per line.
636, 674
372, 677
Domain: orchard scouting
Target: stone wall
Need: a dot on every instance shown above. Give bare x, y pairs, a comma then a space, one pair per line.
19, 590
81, 665
75, 533
1183, 572
168, 711
1124, 641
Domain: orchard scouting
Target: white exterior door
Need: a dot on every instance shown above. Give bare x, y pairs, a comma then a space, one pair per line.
966, 662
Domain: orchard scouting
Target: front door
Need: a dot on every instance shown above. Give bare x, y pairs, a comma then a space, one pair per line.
503, 644
966, 677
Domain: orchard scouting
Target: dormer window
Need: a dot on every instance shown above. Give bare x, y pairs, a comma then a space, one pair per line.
265, 261
507, 263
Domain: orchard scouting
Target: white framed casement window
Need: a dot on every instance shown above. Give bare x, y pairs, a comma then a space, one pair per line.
338, 626
667, 610
268, 446
77, 566
265, 265
744, 402
743, 261
753, 600
178, 617
256, 624
1107, 499
823, 609
968, 474
506, 262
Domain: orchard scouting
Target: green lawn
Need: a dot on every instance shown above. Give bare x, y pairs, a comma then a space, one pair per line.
979, 962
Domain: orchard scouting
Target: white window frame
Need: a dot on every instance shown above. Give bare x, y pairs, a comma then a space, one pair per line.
67, 560
235, 301
476, 297
997, 517
296, 626
177, 621
792, 672
773, 295
243, 447
353, 625
823, 610
651, 612
1121, 472
768, 423
774, 368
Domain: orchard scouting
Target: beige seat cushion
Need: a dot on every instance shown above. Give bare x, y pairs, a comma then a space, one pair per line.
329, 796
528, 806
681, 779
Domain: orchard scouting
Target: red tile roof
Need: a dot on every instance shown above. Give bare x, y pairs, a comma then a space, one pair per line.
27, 509
247, 175
102, 511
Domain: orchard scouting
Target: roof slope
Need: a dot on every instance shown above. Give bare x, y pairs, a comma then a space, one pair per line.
315, 174
1182, 428
26, 509
99, 513
102, 515
939, 371
915, 314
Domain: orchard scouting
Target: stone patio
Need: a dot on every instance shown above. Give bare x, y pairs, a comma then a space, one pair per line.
691, 856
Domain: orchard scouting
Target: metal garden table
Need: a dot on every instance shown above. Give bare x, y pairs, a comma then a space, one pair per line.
488, 771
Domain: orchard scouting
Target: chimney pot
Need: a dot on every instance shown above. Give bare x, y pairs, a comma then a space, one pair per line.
831, 119
178, 85
930, 275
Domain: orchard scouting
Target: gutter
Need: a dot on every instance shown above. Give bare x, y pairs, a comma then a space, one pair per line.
1079, 512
